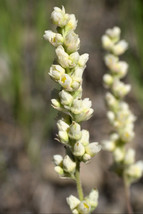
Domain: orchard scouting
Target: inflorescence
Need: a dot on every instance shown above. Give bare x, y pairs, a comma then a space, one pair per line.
67, 72
119, 114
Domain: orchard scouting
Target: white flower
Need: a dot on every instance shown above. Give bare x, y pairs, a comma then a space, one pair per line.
108, 80
83, 60
56, 104
55, 39
110, 61
84, 137
73, 202
134, 171
92, 198
79, 149
111, 100
93, 148
68, 164
86, 157
63, 135
59, 170
59, 17
108, 145
120, 89
65, 97
81, 109
84, 207
120, 47
107, 43
56, 71
57, 159
75, 131
118, 154
66, 82
110, 116
72, 23
72, 42
129, 157
63, 57
114, 33
62, 125
77, 75
73, 59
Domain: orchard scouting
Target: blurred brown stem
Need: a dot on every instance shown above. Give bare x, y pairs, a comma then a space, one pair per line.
127, 197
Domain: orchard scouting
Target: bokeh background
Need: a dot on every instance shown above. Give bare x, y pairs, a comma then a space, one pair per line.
28, 183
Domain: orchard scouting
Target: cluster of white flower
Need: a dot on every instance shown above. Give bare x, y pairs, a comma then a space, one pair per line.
119, 114
68, 73
86, 206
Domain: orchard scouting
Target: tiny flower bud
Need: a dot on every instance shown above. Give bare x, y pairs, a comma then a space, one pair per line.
55, 39
83, 60
57, 159
129, 157
86, 157
93, 148
68, 164
56, 71
73, 202
72, 42
79, 149
65, 97
108, 145
56, 104
93, 198
84, 207
84, 137
59, 170
72, 23
107, 43
62, 125
114, 33
59, 17
66, 81
63, 57
75, 131
118, 154
120, 47
110, 116
108, 80
63, 135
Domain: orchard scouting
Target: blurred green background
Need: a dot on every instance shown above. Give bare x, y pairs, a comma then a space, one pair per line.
27, 121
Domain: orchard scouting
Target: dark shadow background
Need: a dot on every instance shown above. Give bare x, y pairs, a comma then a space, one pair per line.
27, 121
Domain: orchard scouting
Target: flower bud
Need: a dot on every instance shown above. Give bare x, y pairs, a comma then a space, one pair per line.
72, 42
63, 135
59, 170
84, 207
65, 97
120, 47
63, 57
110, 61
108, 145
129, 157
66, 81
62, 125
93, 198
135, 171
114, 33
118, 154
57, 159
72, 23
120, 89
56, 71
111, 100
55, 39
108, 80
68, 164
73, 202
86, 157
59, 17
84, 137
73, 59
56, 104
110, 116
107, 43
79, 149
75, 131
93, 148
83, 60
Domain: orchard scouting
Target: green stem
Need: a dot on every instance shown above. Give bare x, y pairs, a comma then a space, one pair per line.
78, 182
127, 196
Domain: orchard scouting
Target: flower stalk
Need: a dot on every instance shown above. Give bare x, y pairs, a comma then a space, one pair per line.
119, 114
68, 72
